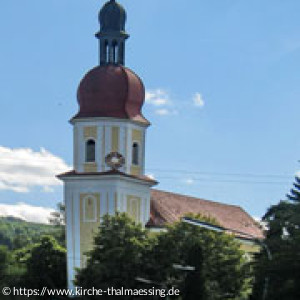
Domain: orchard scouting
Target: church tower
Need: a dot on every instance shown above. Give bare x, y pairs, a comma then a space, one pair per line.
109, 144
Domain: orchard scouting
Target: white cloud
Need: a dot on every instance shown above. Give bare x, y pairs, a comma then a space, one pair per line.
160, 100
22, 169
189, 181
151, 176
198, 100
298, 174
165, 112
257, 219
47, 189
262, 223
157, 97
26, 212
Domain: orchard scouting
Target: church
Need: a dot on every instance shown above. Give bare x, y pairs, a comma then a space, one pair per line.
109, 133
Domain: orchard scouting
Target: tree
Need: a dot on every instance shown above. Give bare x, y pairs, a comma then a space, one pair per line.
58, 220
295, 192
3, 262
194, 284
46, 265
117, 257
20, 240
58, 217
283, 239
221, 271
123, 251
17, 234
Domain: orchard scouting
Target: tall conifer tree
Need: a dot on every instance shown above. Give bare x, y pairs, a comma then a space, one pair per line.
283, 239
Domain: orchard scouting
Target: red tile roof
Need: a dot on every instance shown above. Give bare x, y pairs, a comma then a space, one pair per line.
168, 208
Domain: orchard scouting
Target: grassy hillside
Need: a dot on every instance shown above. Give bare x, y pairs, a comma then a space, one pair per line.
16, 233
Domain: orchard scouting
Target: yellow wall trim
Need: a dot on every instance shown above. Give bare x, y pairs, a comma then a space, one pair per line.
107, 203
134, 208
103, 148
90, 132
135, 170
136, 135
88, 229
250, 248
116, 202
90, 167
115, 136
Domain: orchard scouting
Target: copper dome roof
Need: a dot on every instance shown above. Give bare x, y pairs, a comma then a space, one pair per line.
112, 91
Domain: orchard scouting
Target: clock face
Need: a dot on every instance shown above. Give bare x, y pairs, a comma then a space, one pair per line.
115, 160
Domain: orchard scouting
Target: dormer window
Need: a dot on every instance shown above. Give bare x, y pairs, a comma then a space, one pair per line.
90, 151
135, 153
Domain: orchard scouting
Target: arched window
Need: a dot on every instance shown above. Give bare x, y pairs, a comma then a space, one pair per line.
135, 153
115, 52
106, 52
90, 151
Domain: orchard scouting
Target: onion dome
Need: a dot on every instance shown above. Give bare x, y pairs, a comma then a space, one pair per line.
111, 91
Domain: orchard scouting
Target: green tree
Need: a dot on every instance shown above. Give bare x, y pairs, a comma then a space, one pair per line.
194, 284
283, 239
17, 234
46, 265
295, 191
124, 251
20, 240
3, 262
117, 257
221, 271
57, 219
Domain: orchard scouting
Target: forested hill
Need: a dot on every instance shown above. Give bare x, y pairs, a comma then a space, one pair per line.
16, 233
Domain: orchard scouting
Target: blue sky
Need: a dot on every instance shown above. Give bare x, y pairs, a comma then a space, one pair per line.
222, 79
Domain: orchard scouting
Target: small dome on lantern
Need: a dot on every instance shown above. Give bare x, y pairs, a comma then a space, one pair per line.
112, 17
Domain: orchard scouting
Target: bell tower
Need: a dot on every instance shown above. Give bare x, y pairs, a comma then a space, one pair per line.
109, 134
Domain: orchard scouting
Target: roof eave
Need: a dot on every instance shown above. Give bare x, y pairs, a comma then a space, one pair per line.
103, 176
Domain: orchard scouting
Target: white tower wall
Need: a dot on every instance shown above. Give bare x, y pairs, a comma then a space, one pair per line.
92, 190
